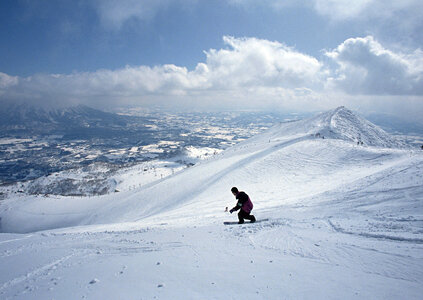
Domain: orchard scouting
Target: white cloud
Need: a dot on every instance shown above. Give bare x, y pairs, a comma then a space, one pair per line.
115, 13
367, 9
343, 9
366, 67
260, 67
392, 20
7, 81
247, 72
340, 10
255, 62
276, 4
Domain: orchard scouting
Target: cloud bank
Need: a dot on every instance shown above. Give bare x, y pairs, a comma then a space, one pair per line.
246, 72
366, 67
246, 66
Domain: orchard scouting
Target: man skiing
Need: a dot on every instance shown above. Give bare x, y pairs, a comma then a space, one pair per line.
244, 205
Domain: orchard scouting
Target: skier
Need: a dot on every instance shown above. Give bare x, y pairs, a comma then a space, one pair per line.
244, 205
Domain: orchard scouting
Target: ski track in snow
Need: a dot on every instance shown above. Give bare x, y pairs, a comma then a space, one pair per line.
33, 275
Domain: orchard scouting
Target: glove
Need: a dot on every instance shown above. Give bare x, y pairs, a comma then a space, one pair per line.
232, 210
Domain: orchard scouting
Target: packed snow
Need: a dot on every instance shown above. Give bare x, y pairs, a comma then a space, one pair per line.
342, 198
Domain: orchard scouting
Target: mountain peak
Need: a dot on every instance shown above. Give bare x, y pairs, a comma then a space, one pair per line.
343, 113
344, 124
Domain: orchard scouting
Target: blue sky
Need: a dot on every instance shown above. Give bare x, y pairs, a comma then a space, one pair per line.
285, 54
66, 36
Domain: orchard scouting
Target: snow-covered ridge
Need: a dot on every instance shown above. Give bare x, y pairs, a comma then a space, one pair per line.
344, 124
340, 123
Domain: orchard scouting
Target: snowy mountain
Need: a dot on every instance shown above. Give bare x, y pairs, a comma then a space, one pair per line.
344, 221
341, 124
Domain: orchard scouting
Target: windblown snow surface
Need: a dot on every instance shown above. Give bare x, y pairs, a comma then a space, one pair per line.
345, 221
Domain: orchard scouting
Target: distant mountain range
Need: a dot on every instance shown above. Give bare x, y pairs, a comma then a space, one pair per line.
25, 119
22, 119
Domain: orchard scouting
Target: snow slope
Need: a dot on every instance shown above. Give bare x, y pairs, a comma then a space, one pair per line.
345, 221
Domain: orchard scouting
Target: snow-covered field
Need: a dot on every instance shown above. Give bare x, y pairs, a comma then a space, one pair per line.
345, 221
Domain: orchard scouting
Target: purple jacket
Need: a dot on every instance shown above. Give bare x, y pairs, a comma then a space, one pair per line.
244, 203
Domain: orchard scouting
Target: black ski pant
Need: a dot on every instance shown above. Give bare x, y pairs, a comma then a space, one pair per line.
244, 215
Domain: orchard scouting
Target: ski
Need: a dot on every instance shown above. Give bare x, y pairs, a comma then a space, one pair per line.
236, 222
